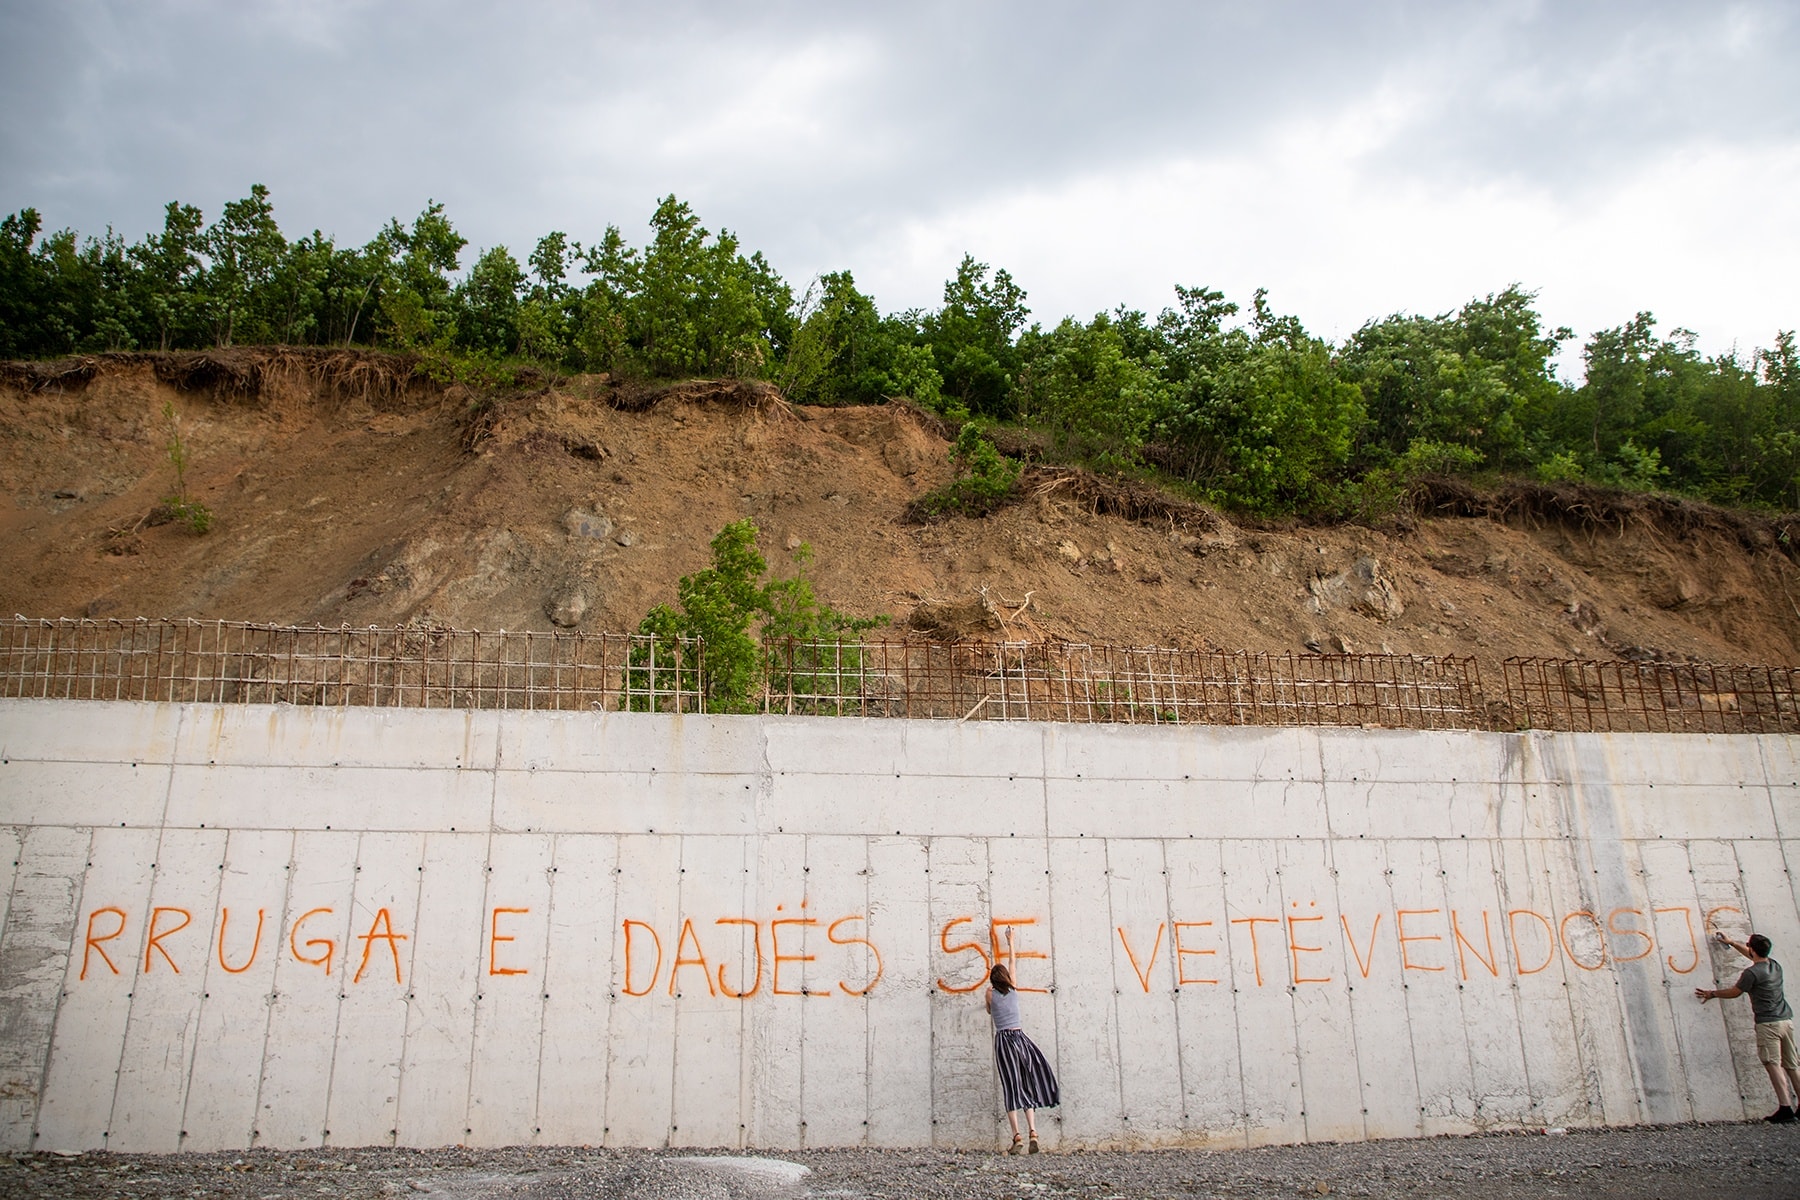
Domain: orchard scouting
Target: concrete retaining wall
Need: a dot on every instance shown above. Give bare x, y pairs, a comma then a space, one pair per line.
275, 926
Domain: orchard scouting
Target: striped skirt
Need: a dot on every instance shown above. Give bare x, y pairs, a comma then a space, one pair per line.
1026, 1080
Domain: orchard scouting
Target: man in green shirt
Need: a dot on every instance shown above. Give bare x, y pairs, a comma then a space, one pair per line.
1761, 980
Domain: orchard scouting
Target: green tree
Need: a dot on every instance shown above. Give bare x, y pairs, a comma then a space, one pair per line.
23, 286
1289, 422
86, 294
168, 272
550, 309
1653, 411
717, 606
352, 290
488, 303
113, 314
343, 288
70, 288
603, 334
244, 248
415, 296
701, 307
550, 260
1776, 478
1606, 407
687, 304
295, 306
973, 338
1260, 417
1481, 378
844, 352
1082, 383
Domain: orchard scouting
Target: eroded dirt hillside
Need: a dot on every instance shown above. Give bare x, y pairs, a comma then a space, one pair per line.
366, 499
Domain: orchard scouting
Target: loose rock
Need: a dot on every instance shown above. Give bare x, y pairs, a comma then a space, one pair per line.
1363, 588
582, 522
566, 609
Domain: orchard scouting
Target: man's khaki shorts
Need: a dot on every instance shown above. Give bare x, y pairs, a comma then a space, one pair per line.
1775, 1043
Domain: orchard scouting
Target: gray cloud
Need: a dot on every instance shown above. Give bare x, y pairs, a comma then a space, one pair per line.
1566, 98
817, 130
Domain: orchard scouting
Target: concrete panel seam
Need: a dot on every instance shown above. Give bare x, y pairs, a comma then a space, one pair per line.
262, 1069
1518, 1001
337, 1016
1168, 891
1112, 919
670, 1123
1355, 1047
487, 904
412, 967
1769, 786
62, 993
112, 1112
537, 1087
187, 1076
612, 1004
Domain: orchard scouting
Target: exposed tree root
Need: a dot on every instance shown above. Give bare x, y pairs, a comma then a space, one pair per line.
246, 374
1128, 498
748, 394
1583, 506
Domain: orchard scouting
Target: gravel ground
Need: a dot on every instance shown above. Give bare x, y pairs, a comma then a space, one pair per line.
1745, 1162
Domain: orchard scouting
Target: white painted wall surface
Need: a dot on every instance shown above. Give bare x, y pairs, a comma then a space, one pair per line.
226, 926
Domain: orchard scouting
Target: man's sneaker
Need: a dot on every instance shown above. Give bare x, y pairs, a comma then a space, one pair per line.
1781, 1116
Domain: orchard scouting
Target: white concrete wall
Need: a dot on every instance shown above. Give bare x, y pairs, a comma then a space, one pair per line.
235, 926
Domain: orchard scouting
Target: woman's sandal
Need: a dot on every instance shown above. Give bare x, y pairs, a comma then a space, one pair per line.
1034, 1145
1018, 1145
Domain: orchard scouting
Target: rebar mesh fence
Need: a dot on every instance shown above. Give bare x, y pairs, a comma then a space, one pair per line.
242, 662
1018, 681
1590, 696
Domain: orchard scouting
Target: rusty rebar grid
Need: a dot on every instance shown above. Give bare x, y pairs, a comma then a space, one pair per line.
1656, 697
404, 666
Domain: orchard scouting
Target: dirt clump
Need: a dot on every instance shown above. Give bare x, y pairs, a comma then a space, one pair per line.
349, 488
981, 617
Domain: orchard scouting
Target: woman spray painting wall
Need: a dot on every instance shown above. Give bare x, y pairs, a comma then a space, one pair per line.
1026, 1080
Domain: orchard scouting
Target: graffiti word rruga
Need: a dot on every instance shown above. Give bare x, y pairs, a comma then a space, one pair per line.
236, 950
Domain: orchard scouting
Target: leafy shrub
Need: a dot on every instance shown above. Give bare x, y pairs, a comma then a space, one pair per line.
1382, 491
180, 507
195, 515
1562, 467
985, 479
706, 646
479, 369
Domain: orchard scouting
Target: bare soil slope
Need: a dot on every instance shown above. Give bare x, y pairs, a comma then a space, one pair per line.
346, 493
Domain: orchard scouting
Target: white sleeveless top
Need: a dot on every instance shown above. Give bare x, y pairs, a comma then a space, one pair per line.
1005, 1010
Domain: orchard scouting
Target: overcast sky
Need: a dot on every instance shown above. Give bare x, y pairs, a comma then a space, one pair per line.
1356, 158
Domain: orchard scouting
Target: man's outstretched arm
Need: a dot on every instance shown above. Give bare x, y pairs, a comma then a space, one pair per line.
1741, 947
